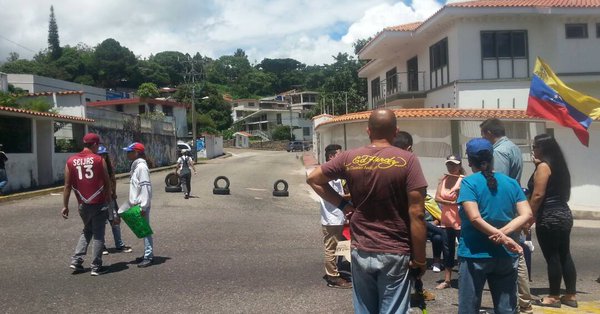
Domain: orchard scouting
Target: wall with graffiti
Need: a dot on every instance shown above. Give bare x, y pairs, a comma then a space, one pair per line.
118, 130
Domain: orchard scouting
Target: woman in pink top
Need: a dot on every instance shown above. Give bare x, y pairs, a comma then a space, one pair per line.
446, 195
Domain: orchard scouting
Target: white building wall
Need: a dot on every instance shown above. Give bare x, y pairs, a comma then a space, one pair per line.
493, 94
21, 170
440, 96
59, 161
3, 82
36, 84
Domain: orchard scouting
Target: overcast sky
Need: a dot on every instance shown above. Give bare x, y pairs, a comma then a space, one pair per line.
310, 31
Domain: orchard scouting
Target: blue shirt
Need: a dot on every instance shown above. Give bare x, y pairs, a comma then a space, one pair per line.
508, 158
497, 209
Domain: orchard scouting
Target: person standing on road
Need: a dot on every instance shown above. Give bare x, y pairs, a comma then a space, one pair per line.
184, 163
113, 219
493, 207
550, 187
332, 225
140, 193
3, 176
446, 195
509, 161
387, 188
86, 174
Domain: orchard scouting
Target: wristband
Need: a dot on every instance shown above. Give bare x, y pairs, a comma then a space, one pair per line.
343, 204
418, 263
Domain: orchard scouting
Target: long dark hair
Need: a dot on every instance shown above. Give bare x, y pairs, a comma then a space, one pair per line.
553, 156
484, 161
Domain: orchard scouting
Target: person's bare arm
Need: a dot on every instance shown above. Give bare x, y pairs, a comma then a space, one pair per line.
472, 211
540, 182
107, 182
518, 222
320, 184
438, 194
191, 164
66, 194
418, 228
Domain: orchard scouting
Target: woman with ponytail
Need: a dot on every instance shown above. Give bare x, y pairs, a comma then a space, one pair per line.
550, 187
493, 207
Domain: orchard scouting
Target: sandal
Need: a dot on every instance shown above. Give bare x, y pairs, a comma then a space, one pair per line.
443, 285
571, 303
540, 302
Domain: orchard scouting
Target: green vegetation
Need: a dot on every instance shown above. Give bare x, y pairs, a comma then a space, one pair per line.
111, 65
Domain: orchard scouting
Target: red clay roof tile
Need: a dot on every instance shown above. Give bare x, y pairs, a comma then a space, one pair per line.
527, 3
63, 93
45, 114
437, 113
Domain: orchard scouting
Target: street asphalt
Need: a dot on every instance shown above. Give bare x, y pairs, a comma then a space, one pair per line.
248, 252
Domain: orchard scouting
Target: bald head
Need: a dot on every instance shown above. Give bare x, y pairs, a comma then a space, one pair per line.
382, 124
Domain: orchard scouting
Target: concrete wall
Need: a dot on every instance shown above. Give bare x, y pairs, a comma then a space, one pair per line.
213, 147
3, 82
493, 95
59, 160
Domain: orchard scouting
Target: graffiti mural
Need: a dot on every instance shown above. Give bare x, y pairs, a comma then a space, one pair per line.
160, 149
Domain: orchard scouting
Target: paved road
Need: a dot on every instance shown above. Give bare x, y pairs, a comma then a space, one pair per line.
245, 253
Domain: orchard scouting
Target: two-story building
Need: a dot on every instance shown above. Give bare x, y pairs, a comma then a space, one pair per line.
260, 116
471, 61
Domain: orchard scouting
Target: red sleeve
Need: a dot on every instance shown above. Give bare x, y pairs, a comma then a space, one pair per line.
415, 178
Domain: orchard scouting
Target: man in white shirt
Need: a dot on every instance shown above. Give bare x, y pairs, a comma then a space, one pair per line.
332, 224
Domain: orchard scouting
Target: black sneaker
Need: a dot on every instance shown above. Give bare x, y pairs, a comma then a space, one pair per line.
124, 249
77, 268
139, 260
99, 271
105, 251
145, 263
186, 196
337, 282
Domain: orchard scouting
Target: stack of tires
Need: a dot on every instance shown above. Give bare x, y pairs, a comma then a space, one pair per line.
172, 182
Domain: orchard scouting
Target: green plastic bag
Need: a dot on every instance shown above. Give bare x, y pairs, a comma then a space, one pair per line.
138, 224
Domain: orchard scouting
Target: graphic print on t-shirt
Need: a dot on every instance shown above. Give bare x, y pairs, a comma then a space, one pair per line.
87, 177
369, 162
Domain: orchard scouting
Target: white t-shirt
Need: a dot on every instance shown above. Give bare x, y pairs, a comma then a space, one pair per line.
330, 214
183, 159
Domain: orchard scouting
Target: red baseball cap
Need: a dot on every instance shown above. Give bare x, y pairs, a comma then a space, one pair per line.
91, 138
138, 147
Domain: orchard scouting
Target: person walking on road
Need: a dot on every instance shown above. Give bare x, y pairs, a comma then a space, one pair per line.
184, 163
550, 187
113, 218
3, 176
493, 207
509, 161
387, 189
86, 174
140, 193
332, 225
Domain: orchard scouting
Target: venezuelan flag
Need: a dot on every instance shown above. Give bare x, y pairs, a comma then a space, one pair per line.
551, 99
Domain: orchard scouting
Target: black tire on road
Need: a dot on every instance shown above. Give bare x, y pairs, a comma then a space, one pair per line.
221, 190
172, 179
277, 191
172, 189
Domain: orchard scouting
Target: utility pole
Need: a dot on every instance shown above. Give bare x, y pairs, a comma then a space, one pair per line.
193, 74
291, 117
346, 93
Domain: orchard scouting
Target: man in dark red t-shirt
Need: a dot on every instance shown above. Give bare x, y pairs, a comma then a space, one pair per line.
388, 229
87, 175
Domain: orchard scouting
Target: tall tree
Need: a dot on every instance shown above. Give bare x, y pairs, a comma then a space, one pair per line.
116, 64
53, 42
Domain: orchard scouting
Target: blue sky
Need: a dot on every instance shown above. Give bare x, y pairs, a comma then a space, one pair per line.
310, 31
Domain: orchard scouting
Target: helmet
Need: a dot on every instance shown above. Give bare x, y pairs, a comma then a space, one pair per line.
102, 150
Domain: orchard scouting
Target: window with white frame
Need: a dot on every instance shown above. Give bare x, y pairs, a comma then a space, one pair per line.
391, 81
504, 54
438, 63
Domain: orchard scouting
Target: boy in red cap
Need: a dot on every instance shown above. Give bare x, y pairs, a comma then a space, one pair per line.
140, 192
86, 174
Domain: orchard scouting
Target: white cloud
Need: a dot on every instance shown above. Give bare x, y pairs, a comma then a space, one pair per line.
299, 29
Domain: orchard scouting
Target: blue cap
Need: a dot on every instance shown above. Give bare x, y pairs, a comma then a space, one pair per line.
135, 147
102, 150
477, 145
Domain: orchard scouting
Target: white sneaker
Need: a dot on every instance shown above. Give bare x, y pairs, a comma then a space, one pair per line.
436, 268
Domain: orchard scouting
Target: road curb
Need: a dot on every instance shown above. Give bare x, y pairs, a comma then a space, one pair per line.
58, 189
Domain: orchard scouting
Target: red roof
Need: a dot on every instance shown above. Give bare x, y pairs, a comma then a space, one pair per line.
323, 116
63, 93
404, 27
136, 101
439, 113
527, 3
246, 134
44, 114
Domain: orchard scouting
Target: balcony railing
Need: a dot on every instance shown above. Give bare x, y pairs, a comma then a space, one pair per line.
402, 85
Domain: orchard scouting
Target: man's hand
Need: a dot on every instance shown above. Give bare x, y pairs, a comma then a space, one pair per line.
65, 212
422, 267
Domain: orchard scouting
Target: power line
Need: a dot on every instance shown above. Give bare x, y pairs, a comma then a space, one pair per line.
16, 43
